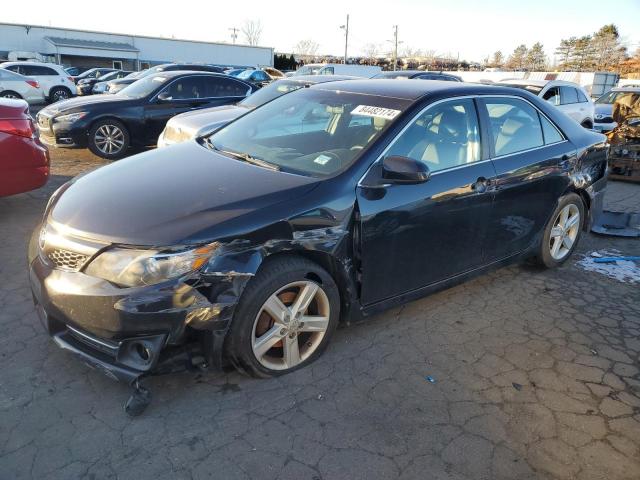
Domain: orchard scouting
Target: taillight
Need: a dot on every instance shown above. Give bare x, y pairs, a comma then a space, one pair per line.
33, 83
20, 127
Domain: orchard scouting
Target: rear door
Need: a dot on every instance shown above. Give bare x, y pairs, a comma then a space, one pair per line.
569, 102
418, 235
530, 156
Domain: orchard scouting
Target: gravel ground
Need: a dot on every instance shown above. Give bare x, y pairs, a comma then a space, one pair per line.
535, 375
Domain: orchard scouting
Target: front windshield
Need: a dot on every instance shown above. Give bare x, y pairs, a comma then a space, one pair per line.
535, 89
143, 87
309, 132
270, 92
609, 98
108, 76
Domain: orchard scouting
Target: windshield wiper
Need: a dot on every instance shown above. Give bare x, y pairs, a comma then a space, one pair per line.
242, 156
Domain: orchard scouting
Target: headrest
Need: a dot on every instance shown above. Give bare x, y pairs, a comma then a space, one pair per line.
511, 126
453, 124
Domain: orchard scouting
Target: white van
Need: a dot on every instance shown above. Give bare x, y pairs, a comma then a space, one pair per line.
364, 71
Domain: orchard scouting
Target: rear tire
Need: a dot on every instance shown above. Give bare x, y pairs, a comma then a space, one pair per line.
10, 94
562, 232
261, 345
58, 94
109, 139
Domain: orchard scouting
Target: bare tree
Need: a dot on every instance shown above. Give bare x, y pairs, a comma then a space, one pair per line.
306, 49
252, 31
371, 52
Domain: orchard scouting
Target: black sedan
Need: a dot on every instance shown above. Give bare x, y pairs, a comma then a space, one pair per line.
328, 203
419, 75
109, 124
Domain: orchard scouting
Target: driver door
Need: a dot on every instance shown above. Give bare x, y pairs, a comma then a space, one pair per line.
415, 235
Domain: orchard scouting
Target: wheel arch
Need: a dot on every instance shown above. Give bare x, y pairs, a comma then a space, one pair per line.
11, 91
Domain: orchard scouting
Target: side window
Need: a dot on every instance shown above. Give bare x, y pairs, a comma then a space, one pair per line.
568, 95
37, 71
444, 136
515, 126
186, 88
14, 68
552, 96
551, 133
223, 87
581, 96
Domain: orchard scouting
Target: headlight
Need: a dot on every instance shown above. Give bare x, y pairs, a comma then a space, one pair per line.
134, 268
69, 118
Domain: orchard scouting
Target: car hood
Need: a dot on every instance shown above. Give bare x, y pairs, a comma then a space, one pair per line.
201, 119
184, 194
604, 109
78, 103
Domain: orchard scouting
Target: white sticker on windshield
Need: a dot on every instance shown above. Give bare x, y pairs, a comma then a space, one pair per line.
380, 112
322, 159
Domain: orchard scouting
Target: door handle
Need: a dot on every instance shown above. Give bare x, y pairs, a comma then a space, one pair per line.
481, 185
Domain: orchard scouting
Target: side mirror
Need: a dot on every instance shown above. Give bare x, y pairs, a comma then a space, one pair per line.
164, 97
398, 169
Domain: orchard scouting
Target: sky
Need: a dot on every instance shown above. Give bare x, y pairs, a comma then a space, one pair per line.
472, 29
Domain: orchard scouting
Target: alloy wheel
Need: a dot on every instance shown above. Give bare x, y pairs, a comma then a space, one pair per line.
564, 232
109, 139
11, 95
290, 325
59, 95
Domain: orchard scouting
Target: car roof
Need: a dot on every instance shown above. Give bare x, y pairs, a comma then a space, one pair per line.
318, 78
413, 90
539, 83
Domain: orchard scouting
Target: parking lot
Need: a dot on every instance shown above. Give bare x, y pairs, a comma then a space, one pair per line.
531, 374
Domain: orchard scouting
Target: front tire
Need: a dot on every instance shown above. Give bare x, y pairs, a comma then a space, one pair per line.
562, 232
58, 94
285, 318
109, 139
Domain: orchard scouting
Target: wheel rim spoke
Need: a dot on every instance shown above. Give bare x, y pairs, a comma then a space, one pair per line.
267, 341
567, 242
291, 351
556, 232
314, 323
276, 309
304, 298
572, 222
555, 248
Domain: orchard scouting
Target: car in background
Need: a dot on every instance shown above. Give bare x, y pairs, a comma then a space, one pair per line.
190, 125
604, 107
273, 72
569, 97
114, 86
56, 83
16, 86
24, 161
85, 86
258, 77
419, 74
193, 67
234, 72
109, 124
75, 71
363, 71
253, 243
93, 73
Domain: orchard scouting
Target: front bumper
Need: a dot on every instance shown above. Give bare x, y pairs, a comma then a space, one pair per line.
62, 135
127, 332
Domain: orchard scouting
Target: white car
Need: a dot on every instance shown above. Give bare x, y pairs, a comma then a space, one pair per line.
14, 85
569, 97
56, 83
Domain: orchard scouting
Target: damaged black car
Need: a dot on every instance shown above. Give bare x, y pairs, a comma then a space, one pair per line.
250, 245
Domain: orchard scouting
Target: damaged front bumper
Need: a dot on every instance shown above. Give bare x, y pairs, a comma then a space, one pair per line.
128, 333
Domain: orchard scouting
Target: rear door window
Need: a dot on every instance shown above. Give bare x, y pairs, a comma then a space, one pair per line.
568, 95
38, 71
515, 126
223, 87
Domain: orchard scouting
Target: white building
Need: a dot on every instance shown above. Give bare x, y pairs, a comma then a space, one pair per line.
84, 48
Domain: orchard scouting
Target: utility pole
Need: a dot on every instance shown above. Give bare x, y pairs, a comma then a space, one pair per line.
395, 48
346, 38
234, 34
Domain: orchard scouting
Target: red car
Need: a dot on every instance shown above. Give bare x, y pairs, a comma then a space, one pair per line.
24, 161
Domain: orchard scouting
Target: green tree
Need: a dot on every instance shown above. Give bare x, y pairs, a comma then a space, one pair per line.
582, 57
518, 59
606, 50
536, 58
565, 51
498, 59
